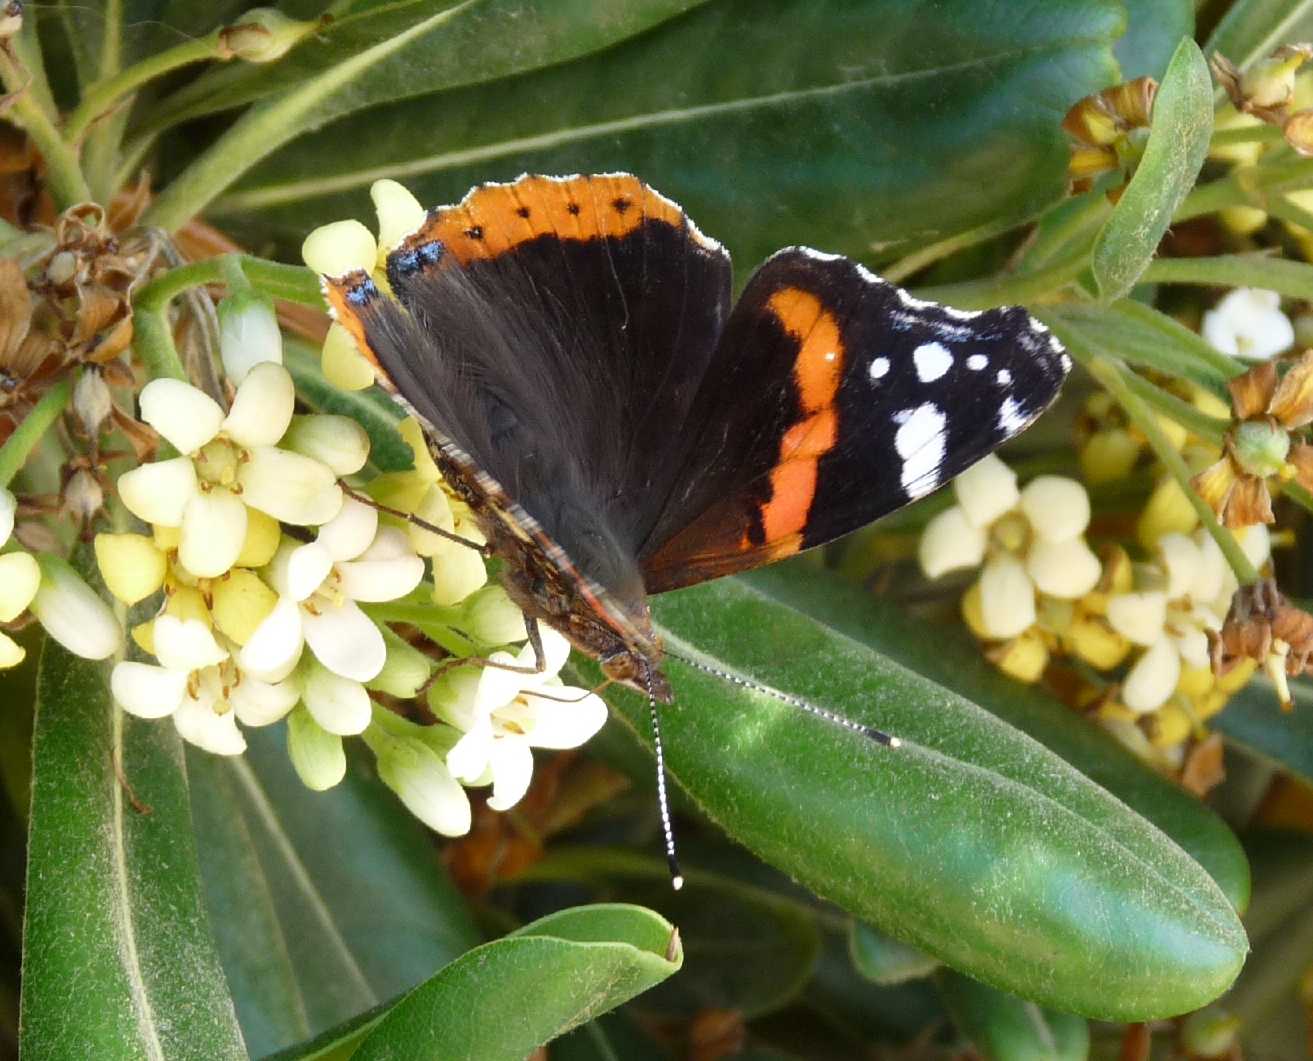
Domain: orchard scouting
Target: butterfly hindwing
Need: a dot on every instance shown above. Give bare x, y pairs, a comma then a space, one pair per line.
835, 397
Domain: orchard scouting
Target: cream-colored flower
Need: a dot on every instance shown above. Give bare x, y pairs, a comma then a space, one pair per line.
1248, 323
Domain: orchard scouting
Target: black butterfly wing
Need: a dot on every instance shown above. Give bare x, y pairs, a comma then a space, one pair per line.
553, 332
835, 397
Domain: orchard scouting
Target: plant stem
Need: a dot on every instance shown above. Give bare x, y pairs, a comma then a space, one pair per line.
1247, 134
106, 94
64, 175
1290, 278
904, 267
1009, 289
1185, 414
293, 283
15, 451
1112, 377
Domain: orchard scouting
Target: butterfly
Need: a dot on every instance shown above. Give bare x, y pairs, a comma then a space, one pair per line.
621, 427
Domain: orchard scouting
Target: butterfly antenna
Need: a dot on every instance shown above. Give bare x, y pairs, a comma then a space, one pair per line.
879, 736
663, 799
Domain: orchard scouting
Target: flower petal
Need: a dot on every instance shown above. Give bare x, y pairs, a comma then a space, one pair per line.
350, 532
375, 578
399, 212
337, 441
339, 248
73, 613
8, 507
1181, 561
342, 363
415, 772
1211, 571
307, 567
11, 652
248, 335
1138, 617
566, 722
316, 754
274, 648
289, 487
1007, 598
458, 571
262, 407
147, 691
986, 490
184, 415
1064, 569
512, 770
469, 758
345, 641
186, 644
20, 578
1057, 507
158, 493
949, 542
198, 723
338, 704
259, 703
213, 530
1249, 323
1152, 677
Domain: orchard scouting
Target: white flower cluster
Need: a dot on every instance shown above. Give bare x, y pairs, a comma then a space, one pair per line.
1248, 323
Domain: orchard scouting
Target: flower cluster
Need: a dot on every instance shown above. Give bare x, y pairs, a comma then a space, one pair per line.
47, 588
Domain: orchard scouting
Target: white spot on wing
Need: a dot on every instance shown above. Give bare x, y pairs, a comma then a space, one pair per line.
911, 302
1004, 377
1011, 416
932, 361
976, 362
879, 368
920, 443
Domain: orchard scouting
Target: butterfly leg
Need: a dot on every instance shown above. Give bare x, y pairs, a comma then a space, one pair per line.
482, 549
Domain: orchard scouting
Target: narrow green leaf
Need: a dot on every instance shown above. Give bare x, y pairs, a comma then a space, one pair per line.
543, 979
1005, 1028
951, 657
971, 841
1290, 278
1153, 29
1252, 29
1173, 156
859, 126
885, 960
114, 909
315, 933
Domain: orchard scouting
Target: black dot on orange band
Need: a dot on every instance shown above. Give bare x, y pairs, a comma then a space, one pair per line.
475, 233
573, 208
522, 211
621, 204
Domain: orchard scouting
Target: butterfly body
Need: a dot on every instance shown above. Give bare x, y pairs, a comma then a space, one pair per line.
620, 428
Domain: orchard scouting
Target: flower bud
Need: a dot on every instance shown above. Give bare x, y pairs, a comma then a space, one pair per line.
248, 334
83, 497
399, 213
316, 755
416, 773
1023, 658
11, 652
91, 400
20, 577
950, 542
405, 670
1108, 455
1168, 509
490, 616
132, 567
1270, 83
337, 441
73, 613
263, 35
1152, 677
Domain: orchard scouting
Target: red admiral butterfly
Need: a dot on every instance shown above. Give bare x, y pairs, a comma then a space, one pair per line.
618, 429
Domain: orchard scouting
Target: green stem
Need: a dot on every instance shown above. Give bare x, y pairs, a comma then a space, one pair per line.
1285, 209
897, 271
1290, 278
1298, 494
15, 451
293, 283
63, 174
1196, 420
1009, 289
152, 338
1246, 134
1113, 378
105, 95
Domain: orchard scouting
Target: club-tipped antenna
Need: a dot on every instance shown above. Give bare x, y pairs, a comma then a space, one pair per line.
879, 736
663, 798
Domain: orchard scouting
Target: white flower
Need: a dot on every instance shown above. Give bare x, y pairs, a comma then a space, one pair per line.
229, 462
197, 683
352, 559
1248, 323
411, 763
1031, 541
507, 713
248, 334
73, 613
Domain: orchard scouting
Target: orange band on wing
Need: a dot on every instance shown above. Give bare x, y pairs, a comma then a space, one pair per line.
346, 295
819, 365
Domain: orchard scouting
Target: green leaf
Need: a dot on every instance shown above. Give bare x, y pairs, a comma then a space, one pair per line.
1252, 29
971, 841
857, 128
1173, 156
371, 409
1153, 30
544, 979
471, 43
952, 658
1005, 1028
314, 933
392, 51
114, 911
1290, 278
1253, 718
883, 959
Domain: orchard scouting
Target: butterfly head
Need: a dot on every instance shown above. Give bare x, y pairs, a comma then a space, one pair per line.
638, 670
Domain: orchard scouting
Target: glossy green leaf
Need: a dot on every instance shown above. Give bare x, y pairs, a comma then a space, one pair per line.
539, 982
952, 658
1253, 718
851, 127
1154, 27
971, 841
314, 933
1173, 156
885, 960
118, 959
457, 44
1251, 29
1004, 1028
